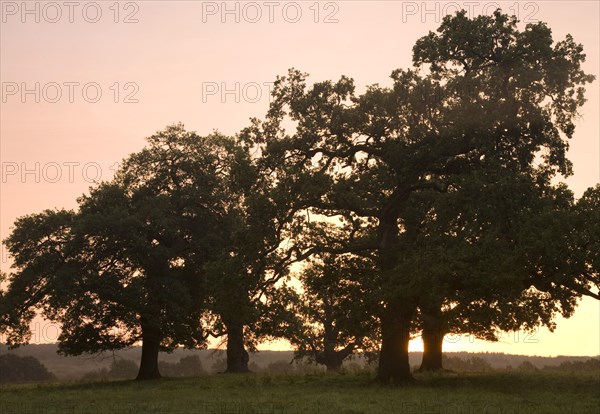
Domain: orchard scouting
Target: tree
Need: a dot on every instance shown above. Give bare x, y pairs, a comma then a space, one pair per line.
493, 97
215, 177
505, 53
478, 263
587, 243
188, 224
128, 266
14, 369
333, 317
249, 264
189, 366
244, 279
120, 368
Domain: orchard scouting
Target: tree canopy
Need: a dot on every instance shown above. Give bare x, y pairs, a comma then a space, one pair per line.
489, 97
129, 265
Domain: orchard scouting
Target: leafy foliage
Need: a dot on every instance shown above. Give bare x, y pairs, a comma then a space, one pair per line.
333, 316
14, 369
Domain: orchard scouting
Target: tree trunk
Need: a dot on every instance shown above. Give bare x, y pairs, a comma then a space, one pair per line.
330, 358
333, 364
237, 356
433, 340
394, 365
334, 359
432, 351
150, 347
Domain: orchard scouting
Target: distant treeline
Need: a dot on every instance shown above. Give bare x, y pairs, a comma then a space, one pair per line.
36, 363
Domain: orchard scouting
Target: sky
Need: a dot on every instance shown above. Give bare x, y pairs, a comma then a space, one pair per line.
84, 82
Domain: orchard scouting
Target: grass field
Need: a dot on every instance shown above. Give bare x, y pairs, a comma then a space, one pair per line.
498, 392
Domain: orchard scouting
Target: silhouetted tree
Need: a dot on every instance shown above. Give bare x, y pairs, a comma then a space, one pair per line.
333, 316
120, 368
591, 364
123, 369
15, 369
243, 278
470, 364
493, 97
128, 266
480, 271
189, 366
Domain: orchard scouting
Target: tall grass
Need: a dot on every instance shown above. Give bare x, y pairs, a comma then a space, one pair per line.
494, 392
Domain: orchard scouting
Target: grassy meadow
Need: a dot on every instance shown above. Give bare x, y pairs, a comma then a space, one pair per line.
494, 392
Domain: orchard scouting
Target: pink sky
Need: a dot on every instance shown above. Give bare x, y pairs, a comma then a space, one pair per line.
169, 61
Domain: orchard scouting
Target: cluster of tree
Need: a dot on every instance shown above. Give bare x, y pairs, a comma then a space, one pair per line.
14, 369
592, 364
189, 366
479, 364
469, 364
122, 368
413, 212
